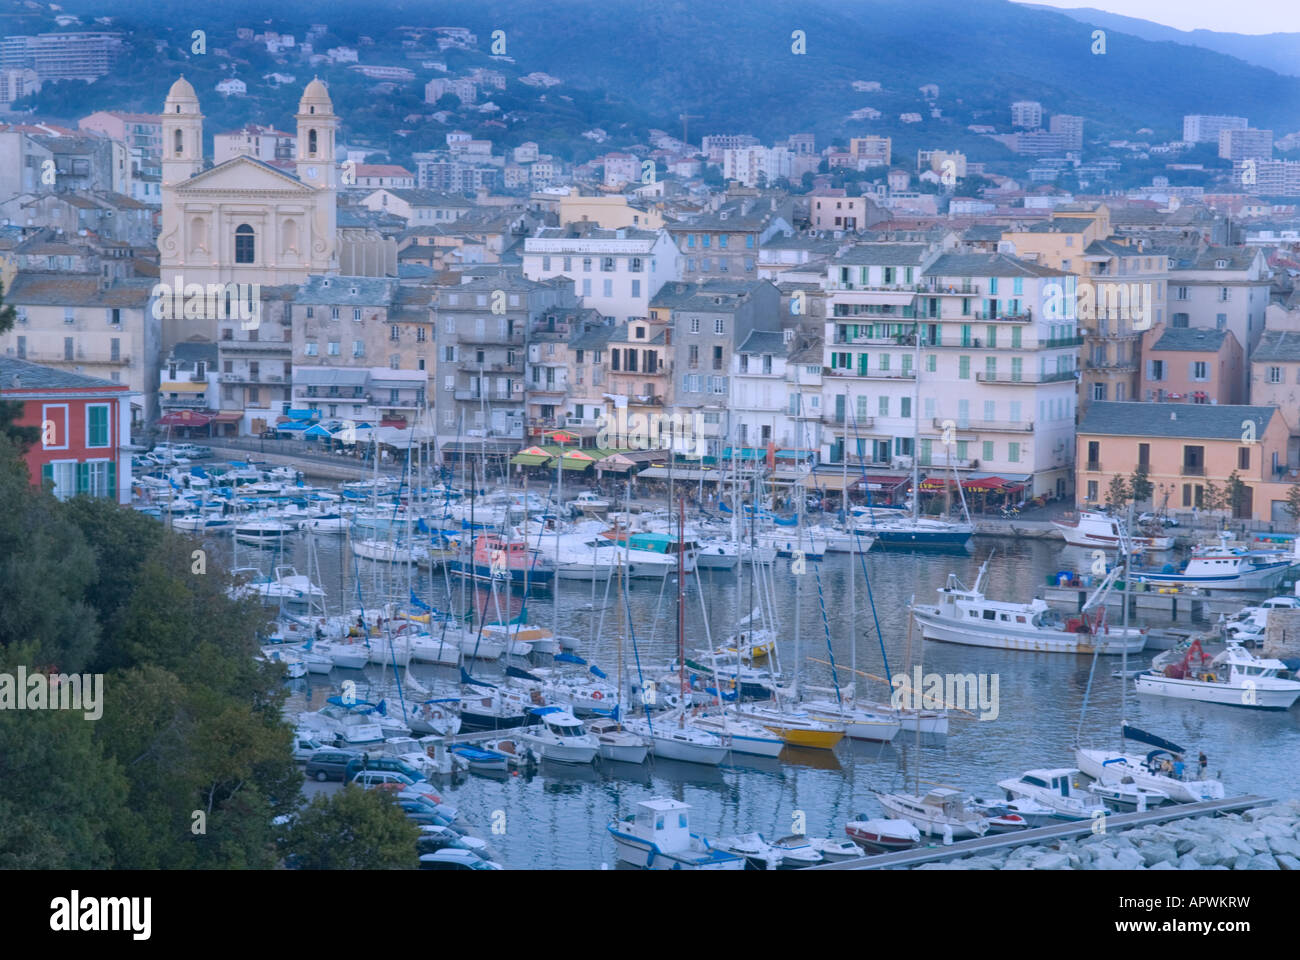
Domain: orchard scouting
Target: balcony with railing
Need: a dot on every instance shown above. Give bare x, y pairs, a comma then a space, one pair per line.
1193, 470
891, 340
515, 339
1092, 466
859, 374
474, 366
1003, 426
255, 346
1024, 317
1025, 379
490, 396
831, 419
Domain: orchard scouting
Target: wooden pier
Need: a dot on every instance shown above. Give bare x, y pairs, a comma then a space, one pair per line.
1061, 831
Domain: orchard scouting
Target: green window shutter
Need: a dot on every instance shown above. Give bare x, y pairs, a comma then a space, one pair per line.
98, 421
112, 480
83, 478
47, 474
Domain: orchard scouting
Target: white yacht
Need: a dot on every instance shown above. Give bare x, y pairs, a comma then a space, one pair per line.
673, 738
941, 812
1054, 788
1091, 529
1234, 678
560, 737
1155, 771
967, 617
618, 744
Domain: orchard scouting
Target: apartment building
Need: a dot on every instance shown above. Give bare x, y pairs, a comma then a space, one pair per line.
1183, 448
79, 55
257, 141
708, 321
255, 366
1200, 128
902, 320
1248, 144
81, 323
141, 132
363, 349
558, 383
1027, 114
616, 272
1192, 365
1275, 381
481, 375
724, 244
1222, 288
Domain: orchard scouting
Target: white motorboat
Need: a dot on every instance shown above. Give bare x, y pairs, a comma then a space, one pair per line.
288, 589
1021, 811
833, 850
345, 656
1155, 771
758, 853
590, 504
202, 523
387, 551
618, 744
797, 852
294, 665
940, 813
1234, 678
967, 617
560, 737
879, 835
330, 523
716, 553
1054, 788
658, 837
261, 533
1091, 529
1127, 797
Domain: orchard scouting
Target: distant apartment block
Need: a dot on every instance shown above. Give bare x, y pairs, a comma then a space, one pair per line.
871, 151
15, 84
1027, 114
1248, 144
141, 132
1199, 128
62, 56
462, 88
1267, 178
756, 166
1070, 127
716, 144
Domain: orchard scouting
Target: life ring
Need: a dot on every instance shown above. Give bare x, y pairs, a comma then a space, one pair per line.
597, 695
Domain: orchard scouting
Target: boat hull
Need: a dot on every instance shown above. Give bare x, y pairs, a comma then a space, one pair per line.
1111, 767
935, 627
644, 854
1260, 697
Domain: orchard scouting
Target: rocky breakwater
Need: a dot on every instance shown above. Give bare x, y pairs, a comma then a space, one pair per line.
1262, 838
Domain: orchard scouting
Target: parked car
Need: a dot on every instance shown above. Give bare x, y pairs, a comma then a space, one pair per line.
330, 764
454, 858
270, 435
376, 761
434, 837
371, 779
305, 747
1157, 518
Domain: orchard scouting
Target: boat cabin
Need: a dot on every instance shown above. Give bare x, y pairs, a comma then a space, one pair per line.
1057, 780
665, 822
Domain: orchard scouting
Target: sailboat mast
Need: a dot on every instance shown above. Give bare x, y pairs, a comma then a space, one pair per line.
681, 607
916, 422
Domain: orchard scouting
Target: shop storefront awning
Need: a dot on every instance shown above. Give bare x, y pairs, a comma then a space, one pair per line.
936, 483
182, 386
228, 416
526, 459
185, 418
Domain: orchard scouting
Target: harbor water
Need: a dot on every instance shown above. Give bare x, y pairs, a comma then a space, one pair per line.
556, 817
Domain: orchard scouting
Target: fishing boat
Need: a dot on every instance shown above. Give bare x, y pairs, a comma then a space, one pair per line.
1090, 529
658, 837
879, 835
497, 560
1220, 569
967, 617
560, 737
1054, 788
941, 812
1234, 678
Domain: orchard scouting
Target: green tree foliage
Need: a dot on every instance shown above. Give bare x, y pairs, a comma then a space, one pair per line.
1293, 501
1140, 485
190, 761
1117, 493
353, 829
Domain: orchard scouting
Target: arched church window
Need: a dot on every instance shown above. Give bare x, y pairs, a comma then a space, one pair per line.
245, 248
311, 143
178, 141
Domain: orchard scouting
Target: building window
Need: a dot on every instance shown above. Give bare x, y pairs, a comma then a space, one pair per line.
245, 246
1200, 370
358, 348
1274, 374
1013, 452
97, 417
333, 349
720, 326
1243, 458
394, 332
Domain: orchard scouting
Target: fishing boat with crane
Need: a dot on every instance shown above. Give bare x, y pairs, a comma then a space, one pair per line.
966, 616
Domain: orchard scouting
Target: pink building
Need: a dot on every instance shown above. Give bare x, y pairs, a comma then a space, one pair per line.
1192, 365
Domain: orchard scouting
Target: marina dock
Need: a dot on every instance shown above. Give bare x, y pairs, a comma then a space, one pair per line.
1062, 831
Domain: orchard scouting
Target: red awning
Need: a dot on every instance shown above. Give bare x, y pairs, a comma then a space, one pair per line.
936, 483
185, 418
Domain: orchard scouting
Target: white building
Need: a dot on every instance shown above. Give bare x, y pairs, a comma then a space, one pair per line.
616, 272
232, 87
753, 166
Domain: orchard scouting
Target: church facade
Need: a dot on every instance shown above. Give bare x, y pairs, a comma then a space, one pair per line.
244, 221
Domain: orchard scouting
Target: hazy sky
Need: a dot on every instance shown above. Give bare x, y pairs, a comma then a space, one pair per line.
1237, 16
